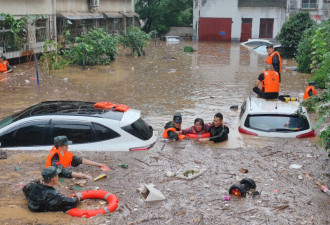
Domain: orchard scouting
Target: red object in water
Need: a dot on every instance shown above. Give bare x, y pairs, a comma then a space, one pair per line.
241, 130
309, 134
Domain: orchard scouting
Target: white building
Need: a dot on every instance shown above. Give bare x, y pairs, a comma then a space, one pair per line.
239, 20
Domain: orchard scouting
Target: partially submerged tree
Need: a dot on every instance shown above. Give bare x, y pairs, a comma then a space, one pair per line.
291, 33
135, 39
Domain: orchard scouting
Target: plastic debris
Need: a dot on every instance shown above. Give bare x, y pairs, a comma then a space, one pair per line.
17, 168
325, 190
150, 193
300, 177
125, 166
295, 166
189, 174
226, 198
100, 177
170, 174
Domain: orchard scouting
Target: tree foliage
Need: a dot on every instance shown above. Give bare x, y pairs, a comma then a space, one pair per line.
321, 104
97, 48
52, 58
291, 33
304, 52
135, 39
159, 15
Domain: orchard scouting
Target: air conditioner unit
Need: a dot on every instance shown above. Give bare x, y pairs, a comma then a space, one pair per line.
94, 3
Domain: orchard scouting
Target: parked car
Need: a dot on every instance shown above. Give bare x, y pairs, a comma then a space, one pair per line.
89, 128
258, 45
262, 49
274, 118
172, 39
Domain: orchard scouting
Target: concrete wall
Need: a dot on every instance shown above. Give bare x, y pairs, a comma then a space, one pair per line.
180, 31
117, 5
26, 7
229, 9
321, 13
72, 6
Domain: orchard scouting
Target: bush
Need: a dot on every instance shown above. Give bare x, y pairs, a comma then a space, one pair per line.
322, 76
320, 45
135, 39
291, 33
96, 46
304, 52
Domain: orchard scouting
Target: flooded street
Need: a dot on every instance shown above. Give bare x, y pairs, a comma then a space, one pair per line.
165, 81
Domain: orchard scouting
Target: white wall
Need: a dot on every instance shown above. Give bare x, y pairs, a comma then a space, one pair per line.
26, 7
229, 9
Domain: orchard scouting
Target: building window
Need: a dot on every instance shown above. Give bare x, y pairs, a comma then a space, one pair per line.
266, 28
309, 4
41, 30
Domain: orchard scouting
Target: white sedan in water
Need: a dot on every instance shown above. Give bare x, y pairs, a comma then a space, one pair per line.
88, 127
274, 118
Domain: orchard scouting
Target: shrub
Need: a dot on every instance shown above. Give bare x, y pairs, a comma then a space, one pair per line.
135, 39
304, 52
321, 76
291, 33
96, 46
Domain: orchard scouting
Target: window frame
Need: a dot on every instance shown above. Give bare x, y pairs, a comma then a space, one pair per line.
309, 5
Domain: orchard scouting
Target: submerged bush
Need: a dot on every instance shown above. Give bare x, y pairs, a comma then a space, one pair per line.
136, 40
304, 52
96, 47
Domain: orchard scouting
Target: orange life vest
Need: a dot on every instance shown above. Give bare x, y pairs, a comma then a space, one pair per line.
269, 59
65, 158
180, 136
3, 67
306, 95
271, 82
109, 105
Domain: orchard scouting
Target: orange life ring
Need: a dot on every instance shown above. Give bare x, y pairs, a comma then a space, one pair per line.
112, 205
205, 135
104, 105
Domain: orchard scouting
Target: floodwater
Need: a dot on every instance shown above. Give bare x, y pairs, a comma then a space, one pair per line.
165, 81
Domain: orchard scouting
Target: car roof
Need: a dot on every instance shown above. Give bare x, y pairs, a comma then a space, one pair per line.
272, 106
75, 108
256, 40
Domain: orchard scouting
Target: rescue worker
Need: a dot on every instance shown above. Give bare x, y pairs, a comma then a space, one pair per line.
310, 90
173, 128
219, 131
4, 65
269, 81
42, 197
274, 58
60, 157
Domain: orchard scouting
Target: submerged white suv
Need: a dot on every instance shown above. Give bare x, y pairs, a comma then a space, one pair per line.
89, 128
274, 118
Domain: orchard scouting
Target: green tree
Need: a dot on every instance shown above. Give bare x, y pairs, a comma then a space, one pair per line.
159, 15
135, 39
291, 33
304, 52
96, 47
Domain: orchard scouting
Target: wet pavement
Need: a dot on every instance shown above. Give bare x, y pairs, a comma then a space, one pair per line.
165, 81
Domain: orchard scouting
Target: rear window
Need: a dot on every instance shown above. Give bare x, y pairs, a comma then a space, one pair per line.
276, 123
139, 129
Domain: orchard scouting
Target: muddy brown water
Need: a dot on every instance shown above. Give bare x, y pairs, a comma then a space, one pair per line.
198, 84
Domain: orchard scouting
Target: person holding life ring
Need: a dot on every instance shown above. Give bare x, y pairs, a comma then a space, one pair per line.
219, 131
42, 197
198, 130
173, 128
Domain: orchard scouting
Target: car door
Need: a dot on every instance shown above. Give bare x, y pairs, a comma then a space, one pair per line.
26, 134
80, 132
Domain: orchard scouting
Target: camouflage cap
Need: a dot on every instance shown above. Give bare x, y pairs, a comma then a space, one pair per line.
61, 140
50, 172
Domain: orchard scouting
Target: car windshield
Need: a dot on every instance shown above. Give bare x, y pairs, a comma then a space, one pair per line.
6, 121
139, 129
277, 123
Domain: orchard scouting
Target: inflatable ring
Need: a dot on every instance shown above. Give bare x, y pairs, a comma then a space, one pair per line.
205, 135
112, 205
